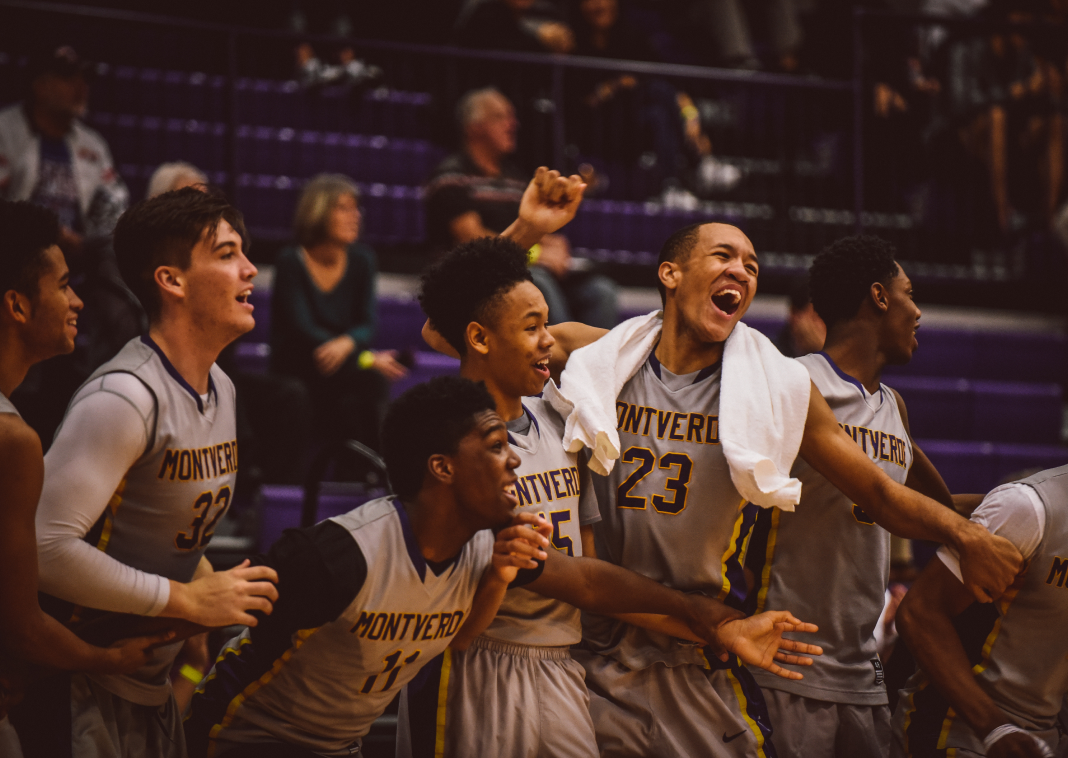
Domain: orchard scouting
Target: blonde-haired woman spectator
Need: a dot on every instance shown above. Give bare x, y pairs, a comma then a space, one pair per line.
323, 313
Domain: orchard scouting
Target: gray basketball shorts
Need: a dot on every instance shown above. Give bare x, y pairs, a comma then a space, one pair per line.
498, 699
809, 728
675, 711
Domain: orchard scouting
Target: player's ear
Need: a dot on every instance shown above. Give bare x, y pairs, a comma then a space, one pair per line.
669, 273
477, 337
440, 468
170, 280
880, 297
16, 306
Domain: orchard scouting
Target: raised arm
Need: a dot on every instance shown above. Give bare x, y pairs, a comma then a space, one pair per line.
549, 202
990, 563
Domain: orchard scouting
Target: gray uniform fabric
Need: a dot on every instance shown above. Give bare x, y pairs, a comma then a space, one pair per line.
162, 515
324, 693
670, 511
1013, 644
516, 691
9, 740
6, 406
810, 728
828, 563
104, 725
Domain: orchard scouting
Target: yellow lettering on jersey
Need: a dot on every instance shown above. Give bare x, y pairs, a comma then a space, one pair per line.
1058, 570
556, 484
199, 464
391, 625
884, 446
678, 426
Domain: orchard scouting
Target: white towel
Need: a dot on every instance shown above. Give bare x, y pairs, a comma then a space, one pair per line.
763, 404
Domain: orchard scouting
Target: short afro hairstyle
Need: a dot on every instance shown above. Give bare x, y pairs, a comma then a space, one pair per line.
429, 419
677, 247
162, 231
26, 231
841, 276
468, 283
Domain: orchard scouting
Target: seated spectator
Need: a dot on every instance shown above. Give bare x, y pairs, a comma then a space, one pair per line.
323, 314
534, 26
476, 192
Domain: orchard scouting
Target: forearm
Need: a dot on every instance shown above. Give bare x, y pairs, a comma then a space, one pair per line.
488, 597
668, 625
602, 587
40, 639
523, 234
912, 515
64, 565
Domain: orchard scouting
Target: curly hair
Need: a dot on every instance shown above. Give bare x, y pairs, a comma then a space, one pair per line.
841, 276
429, 419
468, 283
26, 231
162, 231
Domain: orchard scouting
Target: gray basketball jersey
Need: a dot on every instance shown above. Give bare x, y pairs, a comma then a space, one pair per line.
324, 693
669, 508
827, 562
548, 484
6, 406
1019, 657
164, 511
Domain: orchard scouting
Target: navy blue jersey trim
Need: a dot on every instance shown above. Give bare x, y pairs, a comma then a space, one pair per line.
146, 339
533, 420
703, 374
846, 377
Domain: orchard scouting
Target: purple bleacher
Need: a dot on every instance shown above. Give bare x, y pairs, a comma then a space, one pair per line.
400, 324
280, 507
978, 467
253, 357
427, 366
938, 408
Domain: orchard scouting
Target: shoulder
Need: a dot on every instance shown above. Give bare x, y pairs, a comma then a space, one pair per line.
544, 412
88, 136
11, 118
18, 441
451, 167
120, 384
223, 382
1016, 512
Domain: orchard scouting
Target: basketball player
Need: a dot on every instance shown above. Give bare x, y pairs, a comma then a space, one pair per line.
368, 598
482, 300
38, 320
707, 278
840, 709
142, 469
992, 678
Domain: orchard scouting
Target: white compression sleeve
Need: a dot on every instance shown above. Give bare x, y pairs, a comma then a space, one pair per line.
104, 432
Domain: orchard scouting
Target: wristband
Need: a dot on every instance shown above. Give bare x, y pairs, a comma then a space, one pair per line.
192, 674
1006, 729
533, 254
688, 112
366, 359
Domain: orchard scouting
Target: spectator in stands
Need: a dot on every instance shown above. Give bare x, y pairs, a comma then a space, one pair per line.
323, 314
669, 118
51, 158
174, 176
534, 26
804, 331
476, 192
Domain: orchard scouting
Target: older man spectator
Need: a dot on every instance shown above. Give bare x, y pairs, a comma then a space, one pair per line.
49, 157
476, 192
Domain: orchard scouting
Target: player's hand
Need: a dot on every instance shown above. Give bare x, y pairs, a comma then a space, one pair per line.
126, 656
225, 597
387, 365
1019, 745
758, 641
550, 200
332, 354
520, 545
989, 564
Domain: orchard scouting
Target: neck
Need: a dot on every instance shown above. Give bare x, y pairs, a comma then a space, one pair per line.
681, 351
53, 125
509, 406
854, 348
16, 362
327, 253
190, 350
485, 157
437, 523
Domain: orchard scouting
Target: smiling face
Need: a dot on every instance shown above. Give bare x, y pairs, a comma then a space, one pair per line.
484, 473
518, 342
53, 322
897, 330
343, 223
217, 285
711, 288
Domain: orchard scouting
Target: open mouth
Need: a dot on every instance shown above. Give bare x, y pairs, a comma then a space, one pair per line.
542, 367
727, 300
244, 296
